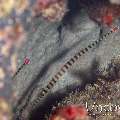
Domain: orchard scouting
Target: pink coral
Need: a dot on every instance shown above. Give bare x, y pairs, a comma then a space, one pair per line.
53, 10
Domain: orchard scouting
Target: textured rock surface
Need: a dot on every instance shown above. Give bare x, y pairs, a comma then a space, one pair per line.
48, 53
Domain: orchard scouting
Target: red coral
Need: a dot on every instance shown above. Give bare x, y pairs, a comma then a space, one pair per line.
107, 14
71, 112
108, 19
110, 13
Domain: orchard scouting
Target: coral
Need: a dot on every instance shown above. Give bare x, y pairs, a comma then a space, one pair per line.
101, 11
53, 10
70, 112
115, 2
